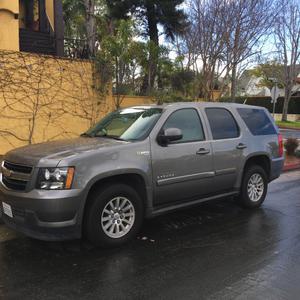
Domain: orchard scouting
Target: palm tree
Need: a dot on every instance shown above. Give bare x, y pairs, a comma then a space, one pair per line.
153, 13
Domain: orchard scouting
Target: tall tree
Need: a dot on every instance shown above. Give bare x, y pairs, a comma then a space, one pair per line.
287, 36
152, 13
73, 12
117, 51
208, 25
81, 17
252, 20
267, 72
227, 34
90, 24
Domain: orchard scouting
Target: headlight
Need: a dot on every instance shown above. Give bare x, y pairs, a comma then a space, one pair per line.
55, 178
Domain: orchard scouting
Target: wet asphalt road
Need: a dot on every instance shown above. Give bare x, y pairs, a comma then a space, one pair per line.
214, 251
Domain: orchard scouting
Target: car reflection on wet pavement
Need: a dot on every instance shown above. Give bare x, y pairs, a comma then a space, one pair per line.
214, 251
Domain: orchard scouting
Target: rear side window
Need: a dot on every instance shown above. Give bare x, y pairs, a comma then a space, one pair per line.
188, 121
222, 124
257, 121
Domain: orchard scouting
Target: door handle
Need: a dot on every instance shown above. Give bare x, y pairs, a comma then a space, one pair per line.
241, 146
203, 151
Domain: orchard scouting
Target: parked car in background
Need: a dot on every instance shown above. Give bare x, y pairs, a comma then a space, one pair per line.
136, 163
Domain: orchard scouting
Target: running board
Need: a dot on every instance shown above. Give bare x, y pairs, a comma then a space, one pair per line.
160, 211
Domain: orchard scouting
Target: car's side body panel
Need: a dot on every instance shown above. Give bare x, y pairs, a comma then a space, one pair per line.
180, 173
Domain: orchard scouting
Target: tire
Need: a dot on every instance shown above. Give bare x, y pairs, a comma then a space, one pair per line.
102, 221
254, 187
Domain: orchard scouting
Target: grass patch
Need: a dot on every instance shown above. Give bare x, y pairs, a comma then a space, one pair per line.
288, 124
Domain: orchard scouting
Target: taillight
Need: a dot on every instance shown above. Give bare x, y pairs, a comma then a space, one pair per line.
280, 144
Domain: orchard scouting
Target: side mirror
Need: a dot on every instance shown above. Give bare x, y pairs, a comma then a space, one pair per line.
169, 135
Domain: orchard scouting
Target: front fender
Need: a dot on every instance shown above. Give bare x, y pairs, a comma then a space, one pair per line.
111, 174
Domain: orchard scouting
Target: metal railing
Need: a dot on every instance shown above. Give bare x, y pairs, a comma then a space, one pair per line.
76, 48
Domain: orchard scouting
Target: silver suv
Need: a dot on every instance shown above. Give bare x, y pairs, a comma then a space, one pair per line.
137, 163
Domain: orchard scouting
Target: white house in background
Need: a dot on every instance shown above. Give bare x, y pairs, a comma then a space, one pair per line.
248, 85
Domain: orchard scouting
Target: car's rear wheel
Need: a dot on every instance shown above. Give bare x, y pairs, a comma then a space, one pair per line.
113, 216
254, 187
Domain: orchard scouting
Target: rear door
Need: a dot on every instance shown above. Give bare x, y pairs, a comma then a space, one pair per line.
228, 145
183, 170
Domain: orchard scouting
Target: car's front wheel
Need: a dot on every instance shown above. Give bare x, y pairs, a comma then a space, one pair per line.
254, 187
114, 215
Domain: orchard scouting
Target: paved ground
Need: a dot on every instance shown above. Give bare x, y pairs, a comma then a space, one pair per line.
215, 251
290, 133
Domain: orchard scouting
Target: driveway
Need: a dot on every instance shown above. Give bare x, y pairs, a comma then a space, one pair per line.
214, 251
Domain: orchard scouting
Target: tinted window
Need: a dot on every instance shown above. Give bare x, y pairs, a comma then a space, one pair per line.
222, 124
257, 121
189, 122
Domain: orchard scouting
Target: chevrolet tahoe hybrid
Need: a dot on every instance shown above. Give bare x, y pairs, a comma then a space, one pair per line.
136, 163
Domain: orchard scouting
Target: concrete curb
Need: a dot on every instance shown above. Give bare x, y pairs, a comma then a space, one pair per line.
291, 167
291, 128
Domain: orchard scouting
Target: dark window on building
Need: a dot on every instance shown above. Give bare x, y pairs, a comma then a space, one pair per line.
257, 121
222, 124
188, 121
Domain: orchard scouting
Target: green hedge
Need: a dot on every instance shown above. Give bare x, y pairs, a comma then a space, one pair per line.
294, 106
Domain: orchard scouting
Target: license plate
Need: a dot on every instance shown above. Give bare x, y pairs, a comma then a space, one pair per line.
7, 209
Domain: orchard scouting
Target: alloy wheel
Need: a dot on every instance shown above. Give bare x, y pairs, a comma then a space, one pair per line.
255, 187
118, 217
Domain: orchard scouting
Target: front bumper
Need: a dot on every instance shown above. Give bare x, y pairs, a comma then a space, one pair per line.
44, 215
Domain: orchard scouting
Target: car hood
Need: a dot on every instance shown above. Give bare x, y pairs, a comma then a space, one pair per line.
49, 152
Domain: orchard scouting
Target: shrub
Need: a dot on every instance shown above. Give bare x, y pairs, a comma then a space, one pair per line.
241, 99
291, 145
294, 106
166, 97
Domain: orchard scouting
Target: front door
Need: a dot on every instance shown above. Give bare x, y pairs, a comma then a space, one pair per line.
183, 170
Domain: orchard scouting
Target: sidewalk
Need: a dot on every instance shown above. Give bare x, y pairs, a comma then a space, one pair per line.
291, 163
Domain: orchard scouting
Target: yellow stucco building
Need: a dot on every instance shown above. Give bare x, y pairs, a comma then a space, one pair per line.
9, 25
34, 26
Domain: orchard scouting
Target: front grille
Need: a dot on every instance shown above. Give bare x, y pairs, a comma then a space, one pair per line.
15, 176
17, 168
13, 184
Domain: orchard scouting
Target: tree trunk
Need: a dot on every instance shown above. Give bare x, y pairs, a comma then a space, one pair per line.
153, 57
90, 24
117, 91
287, 97
233, 83
289, 75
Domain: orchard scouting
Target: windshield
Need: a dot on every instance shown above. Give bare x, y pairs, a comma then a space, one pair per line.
126, 124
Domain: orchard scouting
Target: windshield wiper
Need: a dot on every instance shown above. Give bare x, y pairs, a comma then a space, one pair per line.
110, 137
86, 134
